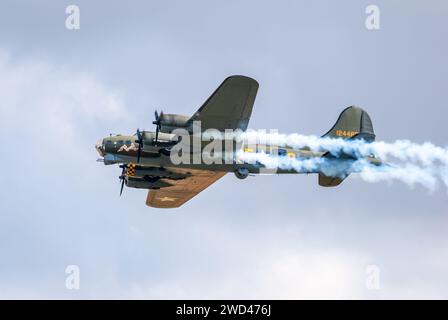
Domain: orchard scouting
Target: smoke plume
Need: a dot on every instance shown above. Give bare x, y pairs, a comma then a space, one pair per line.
425, 164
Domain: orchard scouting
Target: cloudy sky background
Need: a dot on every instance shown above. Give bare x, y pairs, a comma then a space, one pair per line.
264, 237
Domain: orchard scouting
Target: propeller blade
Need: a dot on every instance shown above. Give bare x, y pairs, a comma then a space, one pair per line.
122, 177
122, 185
139, 152
158, 123
157, 135
140, 144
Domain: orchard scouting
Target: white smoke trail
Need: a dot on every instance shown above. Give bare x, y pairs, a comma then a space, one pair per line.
425, 164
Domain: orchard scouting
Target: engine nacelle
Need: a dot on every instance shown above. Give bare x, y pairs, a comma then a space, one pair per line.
242, 173
170, 122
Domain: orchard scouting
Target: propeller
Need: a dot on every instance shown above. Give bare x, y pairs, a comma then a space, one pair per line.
122, 177
158, 123
140, 135
140, 144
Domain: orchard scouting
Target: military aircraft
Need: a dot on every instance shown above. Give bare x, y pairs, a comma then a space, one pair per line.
146, 162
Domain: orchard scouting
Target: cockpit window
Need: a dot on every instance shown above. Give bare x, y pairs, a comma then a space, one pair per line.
128, 142
120, 142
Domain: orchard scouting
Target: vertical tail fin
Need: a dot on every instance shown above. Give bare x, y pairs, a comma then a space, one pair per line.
353, 123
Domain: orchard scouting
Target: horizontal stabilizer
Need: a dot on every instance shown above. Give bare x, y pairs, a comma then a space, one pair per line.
325, 181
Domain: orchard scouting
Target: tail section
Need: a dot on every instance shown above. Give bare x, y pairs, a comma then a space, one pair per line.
353, 123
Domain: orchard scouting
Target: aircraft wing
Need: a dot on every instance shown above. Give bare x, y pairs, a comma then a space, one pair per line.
182, 190
230, 106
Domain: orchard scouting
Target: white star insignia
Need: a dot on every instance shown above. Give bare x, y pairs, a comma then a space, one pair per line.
166, 199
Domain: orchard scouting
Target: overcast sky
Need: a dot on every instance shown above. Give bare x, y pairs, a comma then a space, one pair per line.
264, 237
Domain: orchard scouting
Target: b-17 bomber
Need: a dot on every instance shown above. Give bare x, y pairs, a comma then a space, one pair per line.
175, 162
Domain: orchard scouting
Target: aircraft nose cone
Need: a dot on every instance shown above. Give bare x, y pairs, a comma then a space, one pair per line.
99, 148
